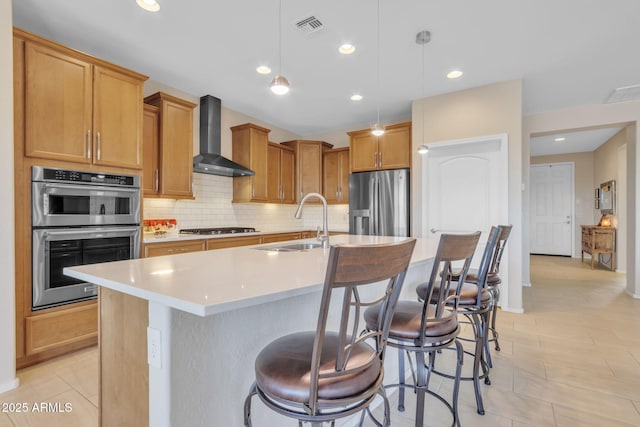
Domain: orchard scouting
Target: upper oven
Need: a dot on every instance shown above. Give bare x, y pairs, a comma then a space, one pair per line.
72, 198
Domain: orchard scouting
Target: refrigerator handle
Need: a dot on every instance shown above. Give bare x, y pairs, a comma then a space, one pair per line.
375, 209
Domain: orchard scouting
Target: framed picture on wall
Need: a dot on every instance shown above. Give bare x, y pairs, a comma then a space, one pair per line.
597, 196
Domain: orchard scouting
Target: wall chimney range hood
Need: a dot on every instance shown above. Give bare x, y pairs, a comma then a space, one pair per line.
209, 160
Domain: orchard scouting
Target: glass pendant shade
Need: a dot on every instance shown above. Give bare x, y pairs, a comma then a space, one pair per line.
150, 5
279, 85
377, 130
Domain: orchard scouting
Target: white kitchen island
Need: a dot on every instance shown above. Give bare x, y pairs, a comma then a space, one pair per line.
213, 311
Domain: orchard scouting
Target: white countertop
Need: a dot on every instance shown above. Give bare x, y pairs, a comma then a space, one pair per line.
210, 282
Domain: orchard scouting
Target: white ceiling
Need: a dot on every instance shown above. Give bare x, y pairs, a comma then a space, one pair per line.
574, 142
568, 53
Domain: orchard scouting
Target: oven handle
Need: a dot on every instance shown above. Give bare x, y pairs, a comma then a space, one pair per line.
91, 188
94, 231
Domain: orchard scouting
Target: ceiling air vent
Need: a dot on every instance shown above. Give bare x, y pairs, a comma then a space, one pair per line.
622, 94
309, 25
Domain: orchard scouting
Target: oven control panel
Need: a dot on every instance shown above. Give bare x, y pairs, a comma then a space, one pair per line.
71, 176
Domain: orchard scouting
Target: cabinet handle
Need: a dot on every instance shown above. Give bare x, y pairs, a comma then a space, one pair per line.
89, 144
99, 143
157, 180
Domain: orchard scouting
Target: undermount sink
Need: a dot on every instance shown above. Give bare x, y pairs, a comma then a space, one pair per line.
290, 247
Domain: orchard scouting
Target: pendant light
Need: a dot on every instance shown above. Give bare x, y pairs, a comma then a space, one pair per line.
279, 85
377, 129
422, 38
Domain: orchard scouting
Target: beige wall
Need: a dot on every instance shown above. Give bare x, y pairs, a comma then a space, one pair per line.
487, 110
7, 273
610, 164
591, 116
583, 173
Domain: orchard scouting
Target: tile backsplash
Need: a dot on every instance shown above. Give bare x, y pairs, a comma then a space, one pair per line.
212, 207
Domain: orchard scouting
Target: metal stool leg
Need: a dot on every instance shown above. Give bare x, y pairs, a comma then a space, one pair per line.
401, 380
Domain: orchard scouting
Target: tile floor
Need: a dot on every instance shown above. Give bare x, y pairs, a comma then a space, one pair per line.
573, 359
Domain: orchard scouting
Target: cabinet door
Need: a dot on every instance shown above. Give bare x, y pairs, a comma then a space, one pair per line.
287, 176
309, 168
273, 174
343, 176
364, 152
280, 237
150, 129
395, 148
331, 173
117, 119
176, 149
233, 242
58, 93
259, 165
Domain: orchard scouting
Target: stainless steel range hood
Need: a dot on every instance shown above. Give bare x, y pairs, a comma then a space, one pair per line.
209, 160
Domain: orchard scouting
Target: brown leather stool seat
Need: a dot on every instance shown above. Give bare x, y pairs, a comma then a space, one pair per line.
407, 318
493, 279
283, 368
468, 294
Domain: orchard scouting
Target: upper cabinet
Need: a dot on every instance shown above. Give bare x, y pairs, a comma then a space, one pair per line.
336, 175
392, 150
308, 165
78, 108
150, 158
281, 174
171, 175
250, 148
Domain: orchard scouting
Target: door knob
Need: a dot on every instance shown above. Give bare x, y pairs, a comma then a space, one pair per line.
434, 231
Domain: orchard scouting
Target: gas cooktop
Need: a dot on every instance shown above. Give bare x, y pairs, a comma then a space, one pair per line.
218, 230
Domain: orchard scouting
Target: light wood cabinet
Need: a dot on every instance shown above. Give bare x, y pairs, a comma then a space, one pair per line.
392, 150
597, 241
80, 109
335, 173
250, 148
173, 248
280, 237
308, 166
233, 242
175, 147
151, 171
280, 178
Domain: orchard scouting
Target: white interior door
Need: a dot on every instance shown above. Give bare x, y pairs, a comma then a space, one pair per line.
551, 216
465, 189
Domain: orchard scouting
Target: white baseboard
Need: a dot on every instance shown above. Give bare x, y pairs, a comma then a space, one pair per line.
9, 385
526, 285
513, 310
636, 296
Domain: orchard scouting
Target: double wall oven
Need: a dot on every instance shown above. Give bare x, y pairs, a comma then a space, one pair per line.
79, 218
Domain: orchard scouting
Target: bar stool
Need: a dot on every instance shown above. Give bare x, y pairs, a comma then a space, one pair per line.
493, 282
322, 375
475, 303
426, 328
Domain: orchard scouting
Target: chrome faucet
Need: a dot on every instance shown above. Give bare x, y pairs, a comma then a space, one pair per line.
324, 236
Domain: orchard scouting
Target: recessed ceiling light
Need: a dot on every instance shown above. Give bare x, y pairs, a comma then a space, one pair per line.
347, 49
150, 5
263, 69
356, 97
560, 139
454, 74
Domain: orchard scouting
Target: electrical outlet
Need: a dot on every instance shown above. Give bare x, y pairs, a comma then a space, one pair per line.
154, 348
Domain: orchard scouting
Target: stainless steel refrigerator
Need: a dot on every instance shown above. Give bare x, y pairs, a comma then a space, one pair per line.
379, 203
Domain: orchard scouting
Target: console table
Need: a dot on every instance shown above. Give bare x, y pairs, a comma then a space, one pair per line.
598, 240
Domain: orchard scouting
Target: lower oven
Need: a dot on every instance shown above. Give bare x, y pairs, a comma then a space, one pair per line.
79, 218
55, 249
